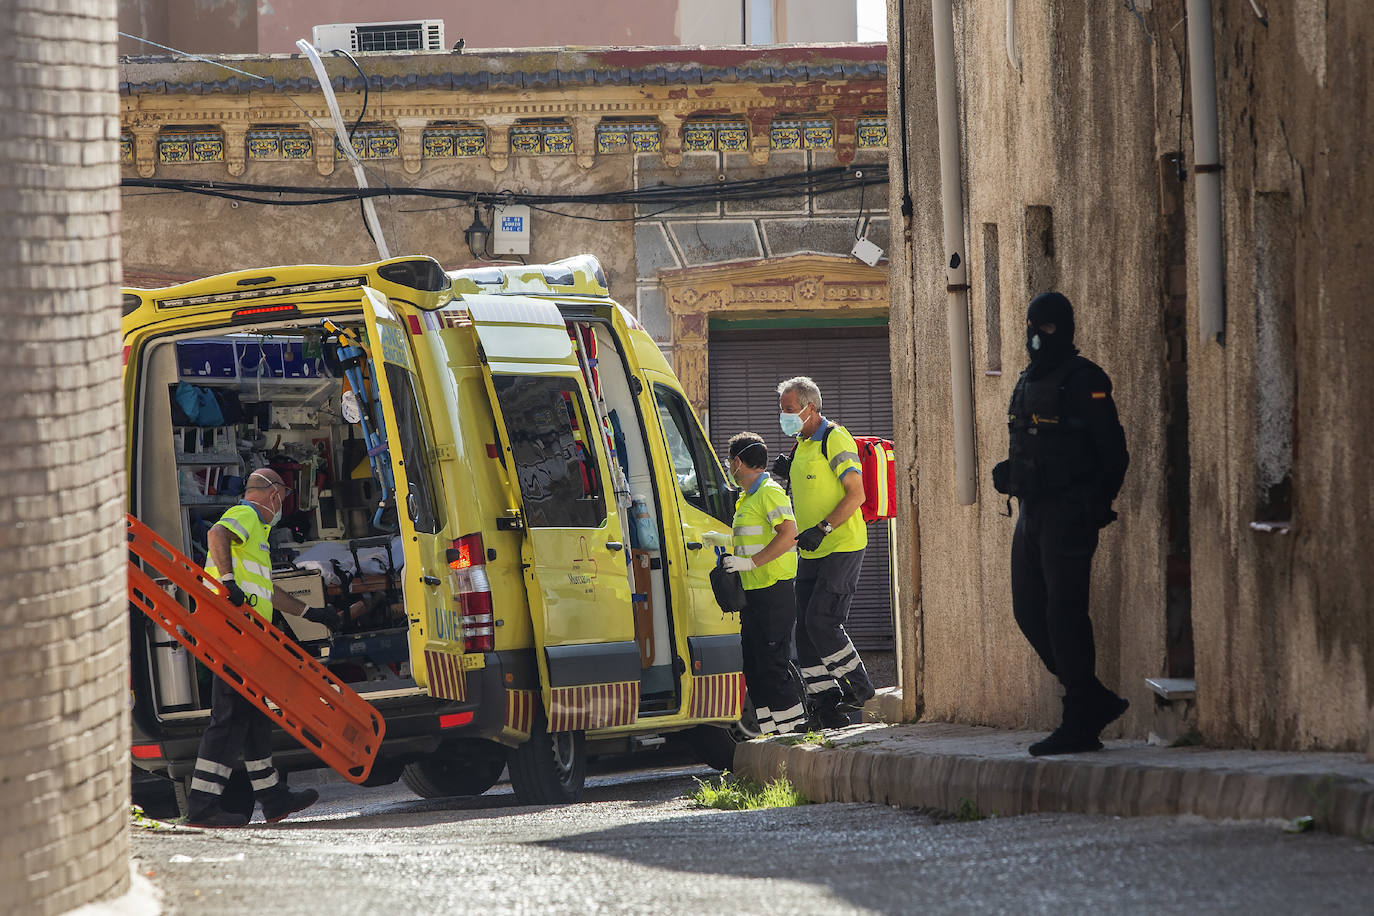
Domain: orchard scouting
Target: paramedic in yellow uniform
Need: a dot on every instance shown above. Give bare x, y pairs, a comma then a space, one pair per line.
827, 491
765, 557
241, 559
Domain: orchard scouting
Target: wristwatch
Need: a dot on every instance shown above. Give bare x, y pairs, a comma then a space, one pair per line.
825, 526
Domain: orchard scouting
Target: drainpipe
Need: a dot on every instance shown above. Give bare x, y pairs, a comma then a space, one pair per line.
1013, 40
1207, 168
340, 131
956, 270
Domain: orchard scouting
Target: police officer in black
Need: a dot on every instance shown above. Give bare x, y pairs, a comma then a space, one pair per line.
1068, 460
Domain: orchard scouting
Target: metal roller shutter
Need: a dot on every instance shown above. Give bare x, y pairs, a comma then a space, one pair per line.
853, 369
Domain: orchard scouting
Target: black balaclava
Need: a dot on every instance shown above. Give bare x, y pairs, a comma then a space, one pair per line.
1049, 350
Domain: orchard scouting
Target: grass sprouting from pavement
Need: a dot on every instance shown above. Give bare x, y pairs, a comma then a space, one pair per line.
815, 738
730, 793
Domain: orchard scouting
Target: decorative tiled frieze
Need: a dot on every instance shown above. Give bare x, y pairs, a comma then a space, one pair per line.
807, 133
176, 147
872, 132
271, 143
628, 136
541, 137
455, 141
706, 134
375, 143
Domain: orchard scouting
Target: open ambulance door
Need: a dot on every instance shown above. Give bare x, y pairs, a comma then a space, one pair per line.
419, 504
574, 551
705, 506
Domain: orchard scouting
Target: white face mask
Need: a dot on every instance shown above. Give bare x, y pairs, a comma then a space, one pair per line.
791, 423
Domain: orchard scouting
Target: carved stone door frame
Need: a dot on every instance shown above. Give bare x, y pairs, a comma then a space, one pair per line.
806, 285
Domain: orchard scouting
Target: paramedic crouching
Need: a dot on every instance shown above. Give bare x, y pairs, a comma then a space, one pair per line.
238, 545
827, 491
765, 535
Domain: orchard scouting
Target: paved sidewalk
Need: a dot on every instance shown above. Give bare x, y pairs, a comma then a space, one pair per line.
943, 766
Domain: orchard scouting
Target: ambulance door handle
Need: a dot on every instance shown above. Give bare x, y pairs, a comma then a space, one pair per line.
614, 546
695, 545
429, 580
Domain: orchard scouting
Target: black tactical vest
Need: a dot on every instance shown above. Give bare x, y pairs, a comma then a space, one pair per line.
1050, 447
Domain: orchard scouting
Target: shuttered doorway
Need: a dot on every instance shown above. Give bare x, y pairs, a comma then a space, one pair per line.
853, 369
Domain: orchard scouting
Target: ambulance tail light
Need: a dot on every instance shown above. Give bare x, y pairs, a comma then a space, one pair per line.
467, 564
147, 751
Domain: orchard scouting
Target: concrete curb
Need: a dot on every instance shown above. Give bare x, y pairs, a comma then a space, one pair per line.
892, 765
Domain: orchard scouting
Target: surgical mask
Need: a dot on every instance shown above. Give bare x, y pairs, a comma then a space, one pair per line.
791, 423
730, 477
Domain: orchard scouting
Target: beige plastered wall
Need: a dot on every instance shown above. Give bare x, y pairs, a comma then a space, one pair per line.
1282, 622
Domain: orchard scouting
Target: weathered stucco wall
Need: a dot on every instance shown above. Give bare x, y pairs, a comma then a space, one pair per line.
1070, 183
1287, 638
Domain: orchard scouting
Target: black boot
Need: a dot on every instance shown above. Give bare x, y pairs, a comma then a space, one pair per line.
1103, 709
1066, 739
288, 803
215, 816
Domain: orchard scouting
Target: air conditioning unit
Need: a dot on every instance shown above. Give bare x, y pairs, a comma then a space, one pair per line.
414, 35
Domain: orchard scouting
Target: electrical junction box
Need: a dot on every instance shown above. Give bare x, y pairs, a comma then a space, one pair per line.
511, 234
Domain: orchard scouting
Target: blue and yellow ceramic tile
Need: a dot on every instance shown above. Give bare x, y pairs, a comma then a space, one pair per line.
383, 144
732, 136
558, 139
126, 149
296, 144
785, 135
525, 140
699, 135
264, 144
437, 144
470, 141
207, 148
612, 138
871, 132
818, 134
646, 138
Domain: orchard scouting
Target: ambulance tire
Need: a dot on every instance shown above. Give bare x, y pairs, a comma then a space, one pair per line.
455, 769
548, 769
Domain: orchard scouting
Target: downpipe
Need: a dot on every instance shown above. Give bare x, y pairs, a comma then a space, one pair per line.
1207, 169
956, 267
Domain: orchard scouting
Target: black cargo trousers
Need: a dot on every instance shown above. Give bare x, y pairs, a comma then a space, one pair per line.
1051, 567
830, 665
238, 730
766, 638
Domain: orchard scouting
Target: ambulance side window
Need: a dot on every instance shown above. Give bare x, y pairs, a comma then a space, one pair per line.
698, 476
552, 450
426, 512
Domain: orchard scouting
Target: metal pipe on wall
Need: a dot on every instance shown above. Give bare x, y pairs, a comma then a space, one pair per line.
1207, 169
956, 268
1013, 39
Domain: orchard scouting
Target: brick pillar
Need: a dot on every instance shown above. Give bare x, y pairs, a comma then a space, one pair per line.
64, 759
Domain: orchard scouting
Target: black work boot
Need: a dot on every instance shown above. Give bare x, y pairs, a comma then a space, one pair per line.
1103, 709
829, 717
215, 816
288, 803
1066, 739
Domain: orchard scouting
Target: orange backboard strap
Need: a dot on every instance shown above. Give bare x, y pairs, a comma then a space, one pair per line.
323, 713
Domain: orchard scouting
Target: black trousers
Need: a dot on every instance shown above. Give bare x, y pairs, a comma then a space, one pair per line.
830, 665
1051, 566
765, 635
238, 730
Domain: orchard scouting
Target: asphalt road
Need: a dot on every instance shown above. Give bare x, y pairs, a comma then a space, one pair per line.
637, 845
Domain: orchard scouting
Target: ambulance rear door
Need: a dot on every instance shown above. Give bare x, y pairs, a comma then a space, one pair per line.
574, 553
419, 504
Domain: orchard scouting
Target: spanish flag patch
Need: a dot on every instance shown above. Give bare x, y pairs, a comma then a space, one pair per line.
1099, 395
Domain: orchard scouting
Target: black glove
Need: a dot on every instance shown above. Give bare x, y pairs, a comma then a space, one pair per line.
782, 467
811, 538
325, 616
235, 594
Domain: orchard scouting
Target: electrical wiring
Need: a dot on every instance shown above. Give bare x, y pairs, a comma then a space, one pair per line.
660, 198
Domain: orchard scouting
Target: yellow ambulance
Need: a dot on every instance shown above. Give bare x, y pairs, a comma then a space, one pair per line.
497, 481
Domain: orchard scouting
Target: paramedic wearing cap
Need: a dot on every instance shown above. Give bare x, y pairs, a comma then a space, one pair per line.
238, 545
1067, 462
827, 491
765, 556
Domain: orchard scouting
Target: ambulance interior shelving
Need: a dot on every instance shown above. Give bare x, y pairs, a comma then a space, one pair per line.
283, 406
215, 409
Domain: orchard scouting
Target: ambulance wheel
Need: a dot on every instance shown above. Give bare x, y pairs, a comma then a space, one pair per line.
548, 769
469, 768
